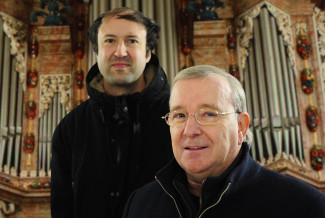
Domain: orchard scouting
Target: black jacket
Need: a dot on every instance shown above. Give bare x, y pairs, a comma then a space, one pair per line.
247, 190
108, 146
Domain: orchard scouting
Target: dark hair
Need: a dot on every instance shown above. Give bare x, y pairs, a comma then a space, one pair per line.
151, 26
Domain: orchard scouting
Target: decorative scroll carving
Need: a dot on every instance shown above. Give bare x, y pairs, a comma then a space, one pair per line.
50, 84
245, 31
6, 209
319, 17
17, 32
301, 27
319, 21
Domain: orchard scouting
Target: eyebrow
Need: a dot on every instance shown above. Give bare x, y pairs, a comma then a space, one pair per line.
132, 36
109, 35
127, 36
210, 106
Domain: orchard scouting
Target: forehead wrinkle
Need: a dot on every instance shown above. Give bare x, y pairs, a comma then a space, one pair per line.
224, 92
201, 106
175, 108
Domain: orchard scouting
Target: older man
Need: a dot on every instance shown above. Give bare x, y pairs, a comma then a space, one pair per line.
212, 174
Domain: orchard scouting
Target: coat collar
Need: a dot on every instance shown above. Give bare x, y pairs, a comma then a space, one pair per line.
154, 75
173, 175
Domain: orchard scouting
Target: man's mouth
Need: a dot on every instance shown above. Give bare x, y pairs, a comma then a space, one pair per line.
120, 65
196, 148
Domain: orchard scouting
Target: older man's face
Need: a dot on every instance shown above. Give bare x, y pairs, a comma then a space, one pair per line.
205, 150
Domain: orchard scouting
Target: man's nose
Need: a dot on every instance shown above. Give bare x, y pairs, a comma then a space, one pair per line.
121, 50
192, 127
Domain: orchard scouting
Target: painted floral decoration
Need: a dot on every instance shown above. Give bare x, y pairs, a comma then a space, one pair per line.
307, 81
33, 47
234, 70
231, 41
79, 51
304, 47
312, 118
79, 77
31, 110
317, 157
32, 78
29, 143
4, 179
41, 184
186, 49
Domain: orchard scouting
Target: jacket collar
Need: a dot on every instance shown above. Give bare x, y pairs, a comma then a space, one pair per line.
173, 170
154, 75
213, 186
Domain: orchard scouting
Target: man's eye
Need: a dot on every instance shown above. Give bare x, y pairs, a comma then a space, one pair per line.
132, 41
178, 116
209, 114
109, 40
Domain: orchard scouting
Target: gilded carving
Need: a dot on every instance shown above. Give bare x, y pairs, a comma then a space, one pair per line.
16, 32
319, 21
49, 85
6, 208
23, 174
245, 32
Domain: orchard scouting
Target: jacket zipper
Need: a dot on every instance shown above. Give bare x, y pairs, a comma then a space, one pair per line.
169, 196
217, 201
201, 195
188, 206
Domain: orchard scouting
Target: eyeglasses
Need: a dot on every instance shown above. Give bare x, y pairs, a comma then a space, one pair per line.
205, 117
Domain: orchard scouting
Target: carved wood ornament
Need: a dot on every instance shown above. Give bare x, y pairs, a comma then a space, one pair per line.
49, 85
16, 32
245, 32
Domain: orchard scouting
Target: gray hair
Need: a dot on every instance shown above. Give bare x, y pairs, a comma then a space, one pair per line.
204, 71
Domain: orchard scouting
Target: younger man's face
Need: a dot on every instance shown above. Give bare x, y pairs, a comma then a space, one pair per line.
121, 51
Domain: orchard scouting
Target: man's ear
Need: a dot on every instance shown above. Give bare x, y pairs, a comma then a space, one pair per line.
148, 56
243, 125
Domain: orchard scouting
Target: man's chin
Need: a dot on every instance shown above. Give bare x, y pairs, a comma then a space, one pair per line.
122, 81
124, 70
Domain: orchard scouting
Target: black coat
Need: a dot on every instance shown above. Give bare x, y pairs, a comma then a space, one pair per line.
107, 147
246, 191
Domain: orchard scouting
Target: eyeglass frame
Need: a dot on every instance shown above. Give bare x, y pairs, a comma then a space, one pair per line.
195, 116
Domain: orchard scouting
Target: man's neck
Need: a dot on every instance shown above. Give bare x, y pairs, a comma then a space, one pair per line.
195, 181
117, 90
195, 187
